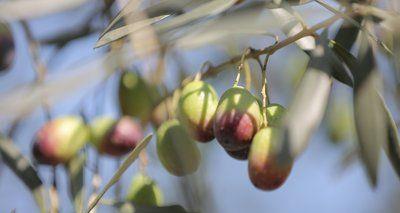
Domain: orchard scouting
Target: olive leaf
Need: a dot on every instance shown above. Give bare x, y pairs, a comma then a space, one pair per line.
370, 123
306, 110
124, 166
164, 7
26, 9
127, 207
211, 8
349, 59
207, 9
118, 33
23, 168
291, 23
75, 169
345, 39
347, 34
310, 101
224, 30
392, 145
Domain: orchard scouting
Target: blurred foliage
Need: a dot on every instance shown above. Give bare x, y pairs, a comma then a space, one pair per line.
150, 36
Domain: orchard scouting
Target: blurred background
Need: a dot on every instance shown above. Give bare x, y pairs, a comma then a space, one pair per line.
327, 177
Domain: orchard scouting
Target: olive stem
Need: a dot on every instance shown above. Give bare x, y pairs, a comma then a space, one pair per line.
240, 67
197, 77
264, 89
237, 79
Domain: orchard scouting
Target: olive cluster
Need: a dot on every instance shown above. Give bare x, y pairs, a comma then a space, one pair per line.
236, 120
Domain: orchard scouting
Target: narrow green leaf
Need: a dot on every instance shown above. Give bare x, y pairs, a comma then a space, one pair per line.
23, 168
347, 34
325, 57
370, 124
210, 8
308, 106
392, 145
163, 7
125, 30
124, 166
75, 169
345, 38
292, 23
349, 59
306, 111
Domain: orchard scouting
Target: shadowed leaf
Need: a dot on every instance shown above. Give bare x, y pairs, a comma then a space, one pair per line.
347, 34
21, 167
349, 59
75, 169
124, 166
207, 9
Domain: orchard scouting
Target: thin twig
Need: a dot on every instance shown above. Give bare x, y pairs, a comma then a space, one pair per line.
264, 90
240, 67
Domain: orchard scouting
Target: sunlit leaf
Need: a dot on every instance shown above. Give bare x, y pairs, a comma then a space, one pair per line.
26, 9
163, 7
124, 166
75, 169
125, 30
291, 25
23, 168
